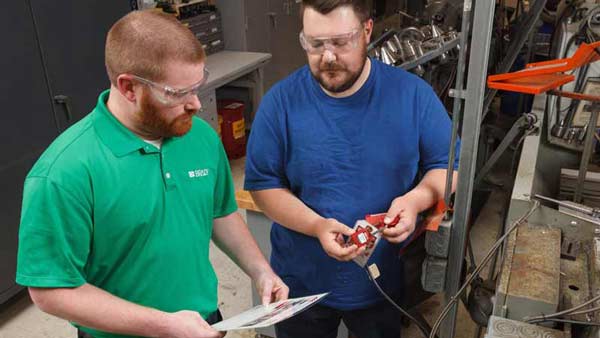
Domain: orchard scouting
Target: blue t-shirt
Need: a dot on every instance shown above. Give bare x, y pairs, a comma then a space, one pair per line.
344, 158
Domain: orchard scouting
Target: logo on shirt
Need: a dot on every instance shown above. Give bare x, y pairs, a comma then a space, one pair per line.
198, 173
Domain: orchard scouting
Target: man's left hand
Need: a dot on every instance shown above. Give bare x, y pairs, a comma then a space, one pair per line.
271, 288
407, 211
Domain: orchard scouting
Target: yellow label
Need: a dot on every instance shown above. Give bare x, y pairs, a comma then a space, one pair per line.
219, 121
239, 129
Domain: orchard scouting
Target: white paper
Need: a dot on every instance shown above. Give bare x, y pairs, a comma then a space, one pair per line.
261, 316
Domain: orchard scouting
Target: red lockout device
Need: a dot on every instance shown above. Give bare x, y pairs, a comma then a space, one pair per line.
365, 235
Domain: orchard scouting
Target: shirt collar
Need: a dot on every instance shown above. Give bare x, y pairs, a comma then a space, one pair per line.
114, 134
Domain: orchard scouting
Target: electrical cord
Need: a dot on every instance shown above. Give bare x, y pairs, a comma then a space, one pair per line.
560, 320
561, 313
582, 312
475, 273
422, 328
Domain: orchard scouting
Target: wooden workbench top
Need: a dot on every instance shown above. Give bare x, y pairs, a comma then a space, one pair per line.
245, 201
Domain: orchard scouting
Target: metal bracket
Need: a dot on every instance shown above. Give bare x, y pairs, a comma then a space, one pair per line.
457, 93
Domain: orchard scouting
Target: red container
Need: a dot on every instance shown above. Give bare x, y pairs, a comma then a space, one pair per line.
233, 128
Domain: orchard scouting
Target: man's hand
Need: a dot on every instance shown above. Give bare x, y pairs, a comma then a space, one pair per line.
271, 287
329, 233
189, 324
406, 225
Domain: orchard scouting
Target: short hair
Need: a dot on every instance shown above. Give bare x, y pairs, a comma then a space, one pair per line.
360, 7
144, 42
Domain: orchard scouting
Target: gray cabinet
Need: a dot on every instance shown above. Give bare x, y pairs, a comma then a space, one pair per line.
72, 35
51, 49
27, 126
268, 26
285, 26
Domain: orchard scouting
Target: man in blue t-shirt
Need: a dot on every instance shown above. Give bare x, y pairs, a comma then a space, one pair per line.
343, 137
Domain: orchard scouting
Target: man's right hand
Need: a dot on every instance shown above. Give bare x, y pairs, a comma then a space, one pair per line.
189, 324
329, 233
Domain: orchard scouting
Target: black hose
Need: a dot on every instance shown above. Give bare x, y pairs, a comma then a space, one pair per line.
422, 326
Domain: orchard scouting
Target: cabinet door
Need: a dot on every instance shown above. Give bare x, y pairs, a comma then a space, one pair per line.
288, 55
72, 36
258, 21
27, 126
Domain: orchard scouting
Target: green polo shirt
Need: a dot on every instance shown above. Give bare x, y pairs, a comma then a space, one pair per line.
101, 206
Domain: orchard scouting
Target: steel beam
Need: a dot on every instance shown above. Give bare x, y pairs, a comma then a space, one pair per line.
482, 28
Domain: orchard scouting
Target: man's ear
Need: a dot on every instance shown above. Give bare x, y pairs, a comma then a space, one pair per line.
126, 84
368, 25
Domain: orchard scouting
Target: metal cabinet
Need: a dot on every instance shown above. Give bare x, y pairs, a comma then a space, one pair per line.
268, 26
284, 44
27, 126
53, 71
72, 36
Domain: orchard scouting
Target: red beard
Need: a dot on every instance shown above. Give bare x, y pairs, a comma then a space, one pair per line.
152, 119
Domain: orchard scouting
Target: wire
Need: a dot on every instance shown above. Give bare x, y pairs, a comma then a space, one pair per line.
475, 273
424, 331
561, 313
559, 320
582, 312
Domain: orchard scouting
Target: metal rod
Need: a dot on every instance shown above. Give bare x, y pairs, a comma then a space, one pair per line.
514, 131
587, 152
476, 79
446, 46
457, 104
380, 39
530, 51
575, 96
584, 210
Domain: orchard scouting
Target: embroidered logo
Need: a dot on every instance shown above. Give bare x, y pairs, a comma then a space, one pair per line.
198, 173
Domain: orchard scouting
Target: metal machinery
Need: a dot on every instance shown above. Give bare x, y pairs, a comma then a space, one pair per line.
547, 283
547, 279
426, 44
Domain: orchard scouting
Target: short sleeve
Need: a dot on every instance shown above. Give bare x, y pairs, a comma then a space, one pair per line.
224, 192
435, 133
54, 236
265, 157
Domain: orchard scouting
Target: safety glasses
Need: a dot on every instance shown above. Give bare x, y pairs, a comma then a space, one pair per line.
341, 43
171, 96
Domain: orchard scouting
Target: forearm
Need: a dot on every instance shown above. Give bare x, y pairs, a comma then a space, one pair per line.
231, 234
283, 207
92, 307
430, 189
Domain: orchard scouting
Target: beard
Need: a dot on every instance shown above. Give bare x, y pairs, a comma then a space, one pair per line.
154, 121
335, 77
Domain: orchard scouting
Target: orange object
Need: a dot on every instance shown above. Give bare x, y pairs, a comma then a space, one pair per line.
233, 128
376, 220
540, 77
533, 84
576, 96
435, 217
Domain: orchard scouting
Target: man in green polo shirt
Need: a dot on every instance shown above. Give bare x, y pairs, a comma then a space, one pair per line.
119, 211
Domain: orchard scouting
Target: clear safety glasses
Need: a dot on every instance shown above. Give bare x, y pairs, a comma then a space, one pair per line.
341, 43
171, 96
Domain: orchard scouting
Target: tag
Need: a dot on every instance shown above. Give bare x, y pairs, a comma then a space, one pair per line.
374, 271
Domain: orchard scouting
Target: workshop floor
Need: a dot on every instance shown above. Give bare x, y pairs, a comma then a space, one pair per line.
21, 319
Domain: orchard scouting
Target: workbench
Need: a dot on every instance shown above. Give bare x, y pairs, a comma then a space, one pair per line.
232, 68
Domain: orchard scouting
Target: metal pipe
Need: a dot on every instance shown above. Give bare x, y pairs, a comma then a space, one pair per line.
587, 152
457, 104
582, 209
476, 79
514, 131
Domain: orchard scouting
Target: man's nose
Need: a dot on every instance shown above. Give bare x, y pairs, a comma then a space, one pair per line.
193, 102
328, 55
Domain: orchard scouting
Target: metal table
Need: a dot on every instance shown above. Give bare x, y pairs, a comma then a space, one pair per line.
238, 69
